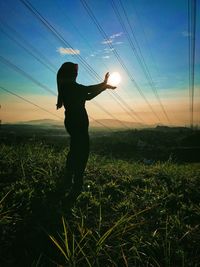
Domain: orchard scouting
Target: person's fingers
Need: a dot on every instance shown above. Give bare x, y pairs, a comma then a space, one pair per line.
58, 106
111, 87
107, 76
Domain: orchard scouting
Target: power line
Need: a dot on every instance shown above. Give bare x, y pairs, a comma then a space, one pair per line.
28, 46
28, 101
17, 69
112, 94
14, 67
129, 110
147, 72
189, 59
36, 105
145, 37
191, 55
139, 55
101, 123
27, 50
30, 50
92, 16
50, 28
146, 40
62, 40
85, 64
111, 115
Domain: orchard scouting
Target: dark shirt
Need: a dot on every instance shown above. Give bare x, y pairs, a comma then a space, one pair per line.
73, 97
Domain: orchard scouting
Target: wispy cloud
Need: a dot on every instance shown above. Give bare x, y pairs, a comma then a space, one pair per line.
118, 43
108, 41
116, 35
186, 34
113, 38
108, 50
106, 57
68, 51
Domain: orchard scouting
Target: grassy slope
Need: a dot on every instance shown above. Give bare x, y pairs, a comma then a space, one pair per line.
129, 214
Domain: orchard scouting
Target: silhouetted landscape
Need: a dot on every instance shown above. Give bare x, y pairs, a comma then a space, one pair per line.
99, 133
160, 143
139, 205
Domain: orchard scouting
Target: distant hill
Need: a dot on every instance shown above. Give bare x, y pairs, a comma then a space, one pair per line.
43, 122
173, 128
98, 124
117, 124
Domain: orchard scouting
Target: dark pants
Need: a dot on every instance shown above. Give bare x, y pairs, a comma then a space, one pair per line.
77, 157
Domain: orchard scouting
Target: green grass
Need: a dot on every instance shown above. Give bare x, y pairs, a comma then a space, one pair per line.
129, 214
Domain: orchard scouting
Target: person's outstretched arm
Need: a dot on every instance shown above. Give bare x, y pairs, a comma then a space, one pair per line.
94, 90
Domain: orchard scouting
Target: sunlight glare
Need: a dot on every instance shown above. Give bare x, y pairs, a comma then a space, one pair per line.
114, 79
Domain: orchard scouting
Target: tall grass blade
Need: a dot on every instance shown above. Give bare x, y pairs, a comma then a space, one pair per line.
59, 247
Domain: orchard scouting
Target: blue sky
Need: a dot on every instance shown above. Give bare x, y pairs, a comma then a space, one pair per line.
160, 29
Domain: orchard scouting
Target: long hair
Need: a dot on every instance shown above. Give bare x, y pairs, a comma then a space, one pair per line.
67, 73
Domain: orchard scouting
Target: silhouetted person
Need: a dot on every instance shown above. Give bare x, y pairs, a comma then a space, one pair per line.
73, 96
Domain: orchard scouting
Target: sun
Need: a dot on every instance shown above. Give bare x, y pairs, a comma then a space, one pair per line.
114, 79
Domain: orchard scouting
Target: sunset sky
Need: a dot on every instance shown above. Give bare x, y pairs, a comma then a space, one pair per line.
146, 41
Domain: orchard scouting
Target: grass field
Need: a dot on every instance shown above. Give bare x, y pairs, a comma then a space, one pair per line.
130, 213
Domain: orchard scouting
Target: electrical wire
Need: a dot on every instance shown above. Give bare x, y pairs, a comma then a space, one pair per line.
137, 52
26, 49
28, 76
191, 55
30, 102
63, 41
93, 18
17, 69
46, 64
124, 105
51, 113
22, 42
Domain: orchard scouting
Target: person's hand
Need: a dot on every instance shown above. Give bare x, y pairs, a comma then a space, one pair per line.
108, 86
106, 77
59, 105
